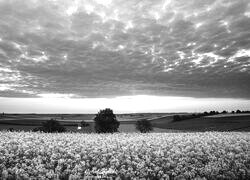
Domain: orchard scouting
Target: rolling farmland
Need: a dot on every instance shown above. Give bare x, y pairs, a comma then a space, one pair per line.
161, 122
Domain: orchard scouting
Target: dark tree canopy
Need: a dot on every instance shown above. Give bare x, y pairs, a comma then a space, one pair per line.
144, 126
238, 111
51, 126
224, 112
106, 122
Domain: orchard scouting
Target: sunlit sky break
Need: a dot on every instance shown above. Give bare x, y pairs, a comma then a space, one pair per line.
133, 56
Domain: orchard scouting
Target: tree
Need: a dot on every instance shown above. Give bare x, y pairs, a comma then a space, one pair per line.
51, 126
238, 111
212, 112
143, 126
106, 122
224, 112
205, 113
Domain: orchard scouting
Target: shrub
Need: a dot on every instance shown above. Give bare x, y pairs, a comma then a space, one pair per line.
84, 124
144, 126
51, 126
185, 117
176, 118
192, 116
106, 122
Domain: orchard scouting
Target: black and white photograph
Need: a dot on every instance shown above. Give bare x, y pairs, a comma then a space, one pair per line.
124, 89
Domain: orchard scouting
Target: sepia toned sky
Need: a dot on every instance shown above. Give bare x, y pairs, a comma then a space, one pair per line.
103, 50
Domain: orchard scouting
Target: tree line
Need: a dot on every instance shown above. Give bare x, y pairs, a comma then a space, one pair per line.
198, 115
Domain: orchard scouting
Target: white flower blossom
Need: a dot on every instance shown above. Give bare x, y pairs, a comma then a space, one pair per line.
208, 155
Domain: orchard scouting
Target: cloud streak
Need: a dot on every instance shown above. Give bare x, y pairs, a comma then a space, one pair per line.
113, 48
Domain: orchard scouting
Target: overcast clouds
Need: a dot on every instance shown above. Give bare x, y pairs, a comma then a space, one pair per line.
191, 48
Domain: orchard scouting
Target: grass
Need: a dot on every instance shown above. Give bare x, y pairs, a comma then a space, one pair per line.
28, 122
161, 122
223, 123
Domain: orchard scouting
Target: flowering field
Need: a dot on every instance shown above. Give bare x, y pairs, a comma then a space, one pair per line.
210, 155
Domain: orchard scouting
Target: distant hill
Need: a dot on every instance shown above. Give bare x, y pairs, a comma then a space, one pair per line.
208, 123
162, 122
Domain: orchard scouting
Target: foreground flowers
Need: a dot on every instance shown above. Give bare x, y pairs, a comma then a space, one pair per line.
210, 155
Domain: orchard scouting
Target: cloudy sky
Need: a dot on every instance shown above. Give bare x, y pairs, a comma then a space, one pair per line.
57, 55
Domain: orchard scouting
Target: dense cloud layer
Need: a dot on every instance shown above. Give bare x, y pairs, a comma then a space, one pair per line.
104, 48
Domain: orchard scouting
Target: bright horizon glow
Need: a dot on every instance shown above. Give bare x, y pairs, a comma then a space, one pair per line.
122, 104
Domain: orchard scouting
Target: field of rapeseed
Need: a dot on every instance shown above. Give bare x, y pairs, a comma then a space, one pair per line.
210, 155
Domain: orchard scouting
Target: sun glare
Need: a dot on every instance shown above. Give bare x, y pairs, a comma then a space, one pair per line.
58, 103
56, 95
